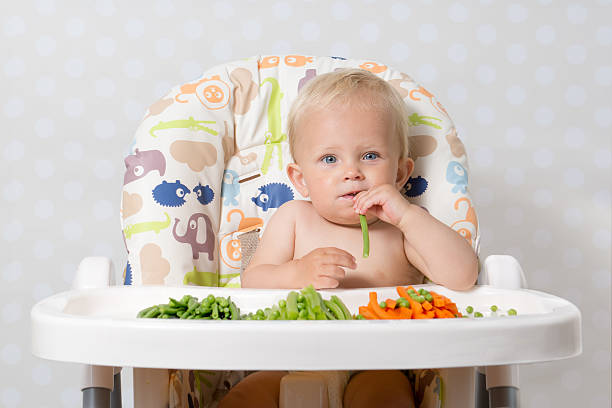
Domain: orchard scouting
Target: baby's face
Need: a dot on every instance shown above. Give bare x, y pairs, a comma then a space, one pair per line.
342, 151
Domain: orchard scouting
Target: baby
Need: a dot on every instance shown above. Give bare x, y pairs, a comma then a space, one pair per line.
348, 134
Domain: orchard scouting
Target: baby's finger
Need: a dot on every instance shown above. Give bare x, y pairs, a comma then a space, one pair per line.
325, 282
332, 271
340, 257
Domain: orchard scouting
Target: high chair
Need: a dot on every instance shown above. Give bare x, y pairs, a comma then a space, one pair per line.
203, 176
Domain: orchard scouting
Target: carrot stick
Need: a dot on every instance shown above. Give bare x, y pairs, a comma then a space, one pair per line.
379, 311
405, 313
367, 313
415, 306
402, 292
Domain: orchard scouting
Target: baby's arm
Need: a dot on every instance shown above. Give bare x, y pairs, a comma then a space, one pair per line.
274, 266
435, 249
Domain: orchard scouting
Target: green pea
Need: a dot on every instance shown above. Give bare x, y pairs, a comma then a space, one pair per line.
383, 304
478, 314
469, 309
511, 312
282, 303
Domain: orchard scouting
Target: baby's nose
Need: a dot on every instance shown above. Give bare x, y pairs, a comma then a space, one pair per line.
353, 173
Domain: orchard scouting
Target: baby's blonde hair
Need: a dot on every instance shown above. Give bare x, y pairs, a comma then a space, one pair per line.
340, 88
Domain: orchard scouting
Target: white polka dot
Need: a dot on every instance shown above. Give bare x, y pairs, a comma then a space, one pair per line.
400, 11
14, 67
604, 35
457, 53
11, 312
75, 67
340, 49
134, 110
458, 13
164, 48
457, 94
542, 198
575, 95
11, 354
400, 51
483, 156
11, 397
251, 30
516, 54
105, 47
72, 230
44, 127
486, 34
104, 169
601, 238
576, 54
44, 249
573, 177
13, 150
75, 27
222, 50
545, 75
12, 190
514, 176
12, 271
340, 10
428, 33
603, 116
573, 217
577, 13
484, 196
427, 73
543, 157
542, 238
105, 87
515, 95
104, 129
12, 230
193, 29
73, 190
103, 210
134, 68
14, 26
44, 168
105, 8
485, 115
603, 75
544, 116
192, 69
517, 13
42, 374
134, 28
546, 35
601, 158
45, 86
485, 74
515, 136
71, 397
602, 199
74, 107
13, 107
574, 137
41, 290
44, 208
45, 46
310, 31
514, 216
572, 257
369, 32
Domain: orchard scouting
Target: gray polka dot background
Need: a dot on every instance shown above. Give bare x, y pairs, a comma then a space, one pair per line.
528, 84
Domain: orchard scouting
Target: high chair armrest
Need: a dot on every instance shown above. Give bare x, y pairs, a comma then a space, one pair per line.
94, 272
502, 271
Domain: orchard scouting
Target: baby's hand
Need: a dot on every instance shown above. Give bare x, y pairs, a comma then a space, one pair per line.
384, 201
322, 267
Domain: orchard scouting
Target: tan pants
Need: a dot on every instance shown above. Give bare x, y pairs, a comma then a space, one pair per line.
376, 388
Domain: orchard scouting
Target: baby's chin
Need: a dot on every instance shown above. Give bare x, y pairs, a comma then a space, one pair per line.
347, 220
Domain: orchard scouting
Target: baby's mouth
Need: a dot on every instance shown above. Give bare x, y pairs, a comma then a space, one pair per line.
350, 196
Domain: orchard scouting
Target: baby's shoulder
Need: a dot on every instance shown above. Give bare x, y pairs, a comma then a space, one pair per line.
294, 209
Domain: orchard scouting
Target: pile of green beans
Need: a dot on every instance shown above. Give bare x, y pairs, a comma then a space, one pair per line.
210, 308
308, 304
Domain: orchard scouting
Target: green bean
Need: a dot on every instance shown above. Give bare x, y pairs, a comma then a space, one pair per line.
143, 312
342, 306
154, 312
334, 309
364, 233
215, 311
293, 308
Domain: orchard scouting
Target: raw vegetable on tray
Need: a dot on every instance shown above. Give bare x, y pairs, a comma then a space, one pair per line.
210, 308
411, 304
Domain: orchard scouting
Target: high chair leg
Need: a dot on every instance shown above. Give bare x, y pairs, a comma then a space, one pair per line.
502, 386
151, 387
458, 387
115, 397
96, 385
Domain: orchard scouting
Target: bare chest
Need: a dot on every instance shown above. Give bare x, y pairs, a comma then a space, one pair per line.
386, 264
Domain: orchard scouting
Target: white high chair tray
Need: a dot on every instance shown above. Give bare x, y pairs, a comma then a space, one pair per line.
99, 327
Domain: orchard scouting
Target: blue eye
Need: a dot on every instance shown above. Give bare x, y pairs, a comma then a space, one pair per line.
329, 159
370, 156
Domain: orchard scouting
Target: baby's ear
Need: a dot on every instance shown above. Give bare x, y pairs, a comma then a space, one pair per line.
297, 178
405, 166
